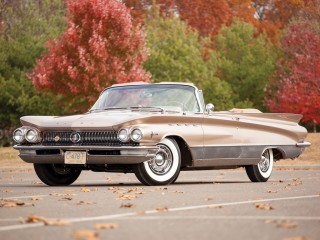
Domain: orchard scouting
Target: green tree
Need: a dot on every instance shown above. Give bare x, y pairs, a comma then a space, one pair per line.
245, 61
177, 54
24, 29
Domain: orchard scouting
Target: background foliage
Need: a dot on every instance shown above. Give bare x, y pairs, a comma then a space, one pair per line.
24, 30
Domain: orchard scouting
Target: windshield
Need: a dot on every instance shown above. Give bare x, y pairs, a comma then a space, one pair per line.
180, 97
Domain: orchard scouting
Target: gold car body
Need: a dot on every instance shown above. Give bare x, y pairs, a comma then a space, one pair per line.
207, 139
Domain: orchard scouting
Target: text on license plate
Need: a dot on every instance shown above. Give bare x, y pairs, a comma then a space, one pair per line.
75, 157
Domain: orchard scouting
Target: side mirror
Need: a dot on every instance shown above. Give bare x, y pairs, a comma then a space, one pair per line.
209, 107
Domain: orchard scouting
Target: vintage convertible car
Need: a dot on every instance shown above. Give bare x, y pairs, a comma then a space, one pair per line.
155, 131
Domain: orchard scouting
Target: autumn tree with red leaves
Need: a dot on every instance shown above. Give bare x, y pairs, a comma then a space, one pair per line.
297, 89
99, 47
206, 16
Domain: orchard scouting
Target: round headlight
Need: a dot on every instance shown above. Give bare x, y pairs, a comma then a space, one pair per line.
18, 135
123, 135
32, 135
136, 135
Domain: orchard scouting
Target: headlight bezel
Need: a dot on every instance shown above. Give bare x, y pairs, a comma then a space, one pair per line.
133, 132
24, 131
22, 135
125, 134
36, 138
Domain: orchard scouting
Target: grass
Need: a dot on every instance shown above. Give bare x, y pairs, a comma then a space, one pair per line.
311, 155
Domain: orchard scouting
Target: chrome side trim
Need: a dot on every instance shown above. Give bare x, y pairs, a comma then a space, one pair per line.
225, 162
238, 155
303, 145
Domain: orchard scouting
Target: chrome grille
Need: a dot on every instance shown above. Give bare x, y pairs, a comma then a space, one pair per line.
87, 138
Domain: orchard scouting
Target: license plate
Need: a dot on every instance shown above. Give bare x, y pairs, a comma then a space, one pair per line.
75, 157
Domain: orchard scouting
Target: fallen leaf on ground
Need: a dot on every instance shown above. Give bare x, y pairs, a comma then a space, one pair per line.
85, 203
36, 198
139, 193
286, 224
106, 226
215, 206
163, 188
264, 206
296, 182
109, 179
162, 209
14, 203
208, 199
58, 222
287, 188
6, 191
177, 191
126, 197
8, 204
37, 219
85, 235
84, 189
37, 182
65, 199
271, 191
126, 205
62, 194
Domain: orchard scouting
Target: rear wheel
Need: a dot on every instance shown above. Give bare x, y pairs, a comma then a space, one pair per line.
262, 171
56, 174
164, 168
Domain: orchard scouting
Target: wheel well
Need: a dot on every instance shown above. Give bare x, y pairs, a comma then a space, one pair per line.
186, 158
277, 154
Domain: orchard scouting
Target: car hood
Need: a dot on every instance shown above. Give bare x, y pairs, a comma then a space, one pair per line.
99, 120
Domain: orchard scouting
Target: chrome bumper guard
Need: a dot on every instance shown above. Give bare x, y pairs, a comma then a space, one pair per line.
128, 155
303, 144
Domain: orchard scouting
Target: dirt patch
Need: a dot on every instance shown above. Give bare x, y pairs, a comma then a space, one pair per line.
9, 157
311, 155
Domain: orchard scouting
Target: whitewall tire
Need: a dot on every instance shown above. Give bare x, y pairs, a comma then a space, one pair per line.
164, 168
262, 171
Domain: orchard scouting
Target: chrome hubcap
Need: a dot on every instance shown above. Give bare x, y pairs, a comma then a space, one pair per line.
264, 163
162, 162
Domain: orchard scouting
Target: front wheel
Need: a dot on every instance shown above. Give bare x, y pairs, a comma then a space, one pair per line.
164, 168
56, 174
262, 171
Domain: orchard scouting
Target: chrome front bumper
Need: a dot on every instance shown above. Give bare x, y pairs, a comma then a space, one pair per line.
55, 154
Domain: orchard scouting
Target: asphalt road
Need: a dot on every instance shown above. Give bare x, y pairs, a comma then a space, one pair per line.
200, 205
